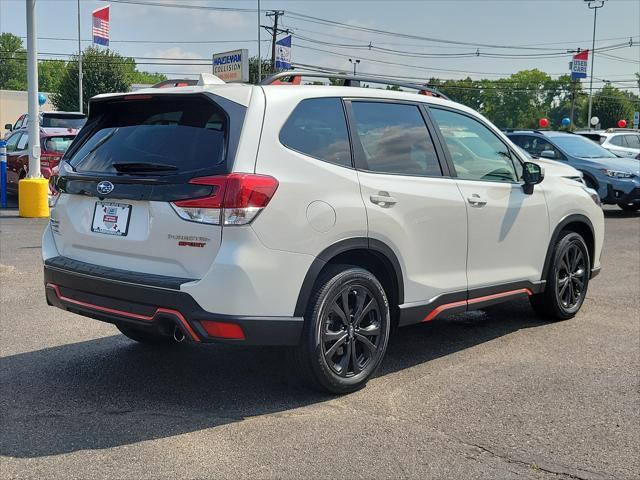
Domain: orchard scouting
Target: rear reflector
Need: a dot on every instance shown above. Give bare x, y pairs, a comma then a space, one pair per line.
223, 330
235, 199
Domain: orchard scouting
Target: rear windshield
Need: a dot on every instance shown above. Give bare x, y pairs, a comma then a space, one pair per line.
60, 120
170, 135
58, 144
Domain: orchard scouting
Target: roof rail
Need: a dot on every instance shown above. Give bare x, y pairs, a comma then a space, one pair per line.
293, 77
511, 130
628, 130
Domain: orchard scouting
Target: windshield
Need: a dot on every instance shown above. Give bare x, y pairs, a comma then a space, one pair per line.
57, 144
63, 121
179, 134
581, 147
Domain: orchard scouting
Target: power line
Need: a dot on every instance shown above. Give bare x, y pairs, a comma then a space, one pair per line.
152, 41
322, 21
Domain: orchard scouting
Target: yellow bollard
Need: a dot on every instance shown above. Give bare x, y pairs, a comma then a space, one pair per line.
33, 197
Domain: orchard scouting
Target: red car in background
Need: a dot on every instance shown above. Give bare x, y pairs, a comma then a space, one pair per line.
53, 143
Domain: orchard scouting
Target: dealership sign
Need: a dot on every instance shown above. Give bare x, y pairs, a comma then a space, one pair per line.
232, 66
579, 65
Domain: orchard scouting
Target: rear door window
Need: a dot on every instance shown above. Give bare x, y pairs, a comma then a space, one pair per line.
318, 128
23, 143
160, 134
394, 139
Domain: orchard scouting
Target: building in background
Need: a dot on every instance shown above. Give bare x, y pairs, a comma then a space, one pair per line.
13, 103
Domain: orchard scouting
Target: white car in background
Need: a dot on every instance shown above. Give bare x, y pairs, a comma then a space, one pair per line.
622, 142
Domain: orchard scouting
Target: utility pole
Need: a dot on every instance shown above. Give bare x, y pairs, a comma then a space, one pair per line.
593, 5
80, 102
274, 33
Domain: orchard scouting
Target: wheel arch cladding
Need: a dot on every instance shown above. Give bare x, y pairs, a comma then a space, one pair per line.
572, 223
370, 254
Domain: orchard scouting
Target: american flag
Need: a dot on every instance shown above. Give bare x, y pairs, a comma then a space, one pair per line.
100, 26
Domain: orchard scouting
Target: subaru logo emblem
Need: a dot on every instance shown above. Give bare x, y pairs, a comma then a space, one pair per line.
105, 187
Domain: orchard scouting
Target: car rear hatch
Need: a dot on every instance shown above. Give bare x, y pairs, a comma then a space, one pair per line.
129, 181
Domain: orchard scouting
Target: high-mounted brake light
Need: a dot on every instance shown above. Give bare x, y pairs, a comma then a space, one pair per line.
235, 199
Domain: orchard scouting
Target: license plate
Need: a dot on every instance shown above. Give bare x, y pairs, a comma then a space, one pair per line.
111, 218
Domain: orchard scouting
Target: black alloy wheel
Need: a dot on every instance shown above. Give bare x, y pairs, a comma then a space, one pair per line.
346, 330
351, 331
571, 275
567, 280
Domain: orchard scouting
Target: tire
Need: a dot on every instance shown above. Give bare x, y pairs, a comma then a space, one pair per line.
629, 207
339, 352
567, 280
147, 338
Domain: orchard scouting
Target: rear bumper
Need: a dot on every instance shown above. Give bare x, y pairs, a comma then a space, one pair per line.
117, 296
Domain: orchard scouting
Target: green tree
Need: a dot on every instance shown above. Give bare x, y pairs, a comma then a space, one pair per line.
104, 71
147, 77
13, 63
521, 99
611, 105
50, 74
253, 70
567, 91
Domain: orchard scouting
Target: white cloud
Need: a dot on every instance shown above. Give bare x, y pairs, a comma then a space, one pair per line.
179, 55
225, 20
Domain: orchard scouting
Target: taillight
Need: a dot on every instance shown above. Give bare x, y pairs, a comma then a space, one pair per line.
49, 160
235, 199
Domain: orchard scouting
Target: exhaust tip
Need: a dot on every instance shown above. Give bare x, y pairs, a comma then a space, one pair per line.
178, 334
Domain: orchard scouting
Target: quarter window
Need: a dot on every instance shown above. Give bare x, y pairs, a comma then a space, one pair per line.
395, 139
632, 141
318, 128
477, 153
617, 141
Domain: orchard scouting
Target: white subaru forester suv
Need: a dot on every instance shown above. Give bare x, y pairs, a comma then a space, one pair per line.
316, 217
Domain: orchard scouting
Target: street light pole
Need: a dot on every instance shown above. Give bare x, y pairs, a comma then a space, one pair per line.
80, 102
32, 94
354, 62
259, 54
593, 5
33, 190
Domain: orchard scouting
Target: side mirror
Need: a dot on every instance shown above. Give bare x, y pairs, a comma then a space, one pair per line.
548, 154
8, 126
532, 175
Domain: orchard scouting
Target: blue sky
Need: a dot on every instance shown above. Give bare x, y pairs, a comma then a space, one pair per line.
555, 25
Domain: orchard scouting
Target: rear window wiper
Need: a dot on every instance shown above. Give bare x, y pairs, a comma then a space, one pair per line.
144, 167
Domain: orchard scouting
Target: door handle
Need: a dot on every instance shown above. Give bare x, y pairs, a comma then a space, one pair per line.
476, 200
383, 199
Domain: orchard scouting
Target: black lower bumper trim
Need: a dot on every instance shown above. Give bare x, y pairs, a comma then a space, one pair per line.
151, 307
618, 196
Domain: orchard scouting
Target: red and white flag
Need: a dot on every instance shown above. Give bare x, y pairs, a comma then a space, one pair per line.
100, 26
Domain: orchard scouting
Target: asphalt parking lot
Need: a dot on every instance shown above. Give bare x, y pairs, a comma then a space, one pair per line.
490, 394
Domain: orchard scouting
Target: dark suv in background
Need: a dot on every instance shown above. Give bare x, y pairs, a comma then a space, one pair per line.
617, 180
